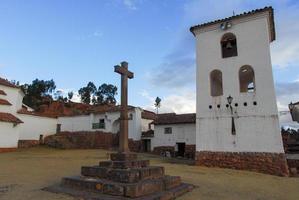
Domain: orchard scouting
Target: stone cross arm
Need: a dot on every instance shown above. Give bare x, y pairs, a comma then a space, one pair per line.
123, 70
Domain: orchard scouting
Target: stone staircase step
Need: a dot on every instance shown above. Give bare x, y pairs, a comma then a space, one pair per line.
125, 164
132, 190
123, 175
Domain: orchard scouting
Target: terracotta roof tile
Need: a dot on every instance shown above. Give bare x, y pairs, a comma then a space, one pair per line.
7, 83
4, 102
245, 14
148, 115
2, 92
26, 112
7, 117
172, 118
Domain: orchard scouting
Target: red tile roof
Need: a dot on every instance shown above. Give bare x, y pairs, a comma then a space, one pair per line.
172, 118
7, 117
26, 112
7, 83
148, 115
4, 102
245, 14
2, 92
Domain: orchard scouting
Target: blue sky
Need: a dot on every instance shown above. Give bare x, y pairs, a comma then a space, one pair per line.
74, 42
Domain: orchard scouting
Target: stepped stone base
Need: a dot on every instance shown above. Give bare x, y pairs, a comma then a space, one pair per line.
268, 163
124, 177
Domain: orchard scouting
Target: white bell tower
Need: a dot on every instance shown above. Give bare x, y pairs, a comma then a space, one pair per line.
237, 120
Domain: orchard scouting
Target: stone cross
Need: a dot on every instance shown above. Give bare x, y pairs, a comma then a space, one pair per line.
125, 74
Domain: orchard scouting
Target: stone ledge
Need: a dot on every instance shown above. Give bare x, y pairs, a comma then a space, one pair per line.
268, 163
123, 156
132, 190
125, 164
123, 175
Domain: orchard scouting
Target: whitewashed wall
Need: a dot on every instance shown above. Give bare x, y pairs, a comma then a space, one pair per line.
257, 127
181, 133
34, 126
84, 123
9, 135
14, 96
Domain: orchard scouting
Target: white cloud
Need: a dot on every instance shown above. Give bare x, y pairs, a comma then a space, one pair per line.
130, 4
95, 34
182, 102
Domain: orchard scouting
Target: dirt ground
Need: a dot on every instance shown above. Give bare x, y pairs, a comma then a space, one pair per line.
25, 172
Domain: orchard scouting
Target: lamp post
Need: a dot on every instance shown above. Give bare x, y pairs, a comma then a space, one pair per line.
230, 100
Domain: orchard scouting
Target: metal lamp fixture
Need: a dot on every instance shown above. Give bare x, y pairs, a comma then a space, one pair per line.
291, 106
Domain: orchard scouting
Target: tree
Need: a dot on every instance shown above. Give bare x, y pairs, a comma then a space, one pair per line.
86, 93
70, 95
38, 92
106, 94
157, 103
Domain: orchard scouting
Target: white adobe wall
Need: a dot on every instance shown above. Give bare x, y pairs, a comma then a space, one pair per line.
257, 127
181, 133
34, 126
75, 123
14, 96
9, 135
145, 124
84, 123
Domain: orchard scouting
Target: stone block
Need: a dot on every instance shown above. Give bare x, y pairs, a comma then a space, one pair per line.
95, 171
171, 182
105, 164
113, 189
124, 175
82, 183
130, 164
151, 172
143, 188
123, 156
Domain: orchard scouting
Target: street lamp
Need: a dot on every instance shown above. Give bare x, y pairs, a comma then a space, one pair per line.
230, 100
291, 106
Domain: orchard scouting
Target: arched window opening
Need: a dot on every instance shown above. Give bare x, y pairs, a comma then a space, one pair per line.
216, 83
246, 77
229, 45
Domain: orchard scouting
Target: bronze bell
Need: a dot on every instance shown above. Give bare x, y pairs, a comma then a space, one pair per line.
229, 45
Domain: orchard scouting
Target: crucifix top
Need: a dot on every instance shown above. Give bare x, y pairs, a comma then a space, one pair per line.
123, 136
123, 70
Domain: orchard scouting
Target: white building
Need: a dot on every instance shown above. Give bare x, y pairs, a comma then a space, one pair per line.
107, 120
174, 134
21, 126
233, 60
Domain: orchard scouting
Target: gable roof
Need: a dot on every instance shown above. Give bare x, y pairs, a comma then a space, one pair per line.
2, 92
148, 115
7, 117
4, 102
6, 83
172, 118
27, 112
242, 15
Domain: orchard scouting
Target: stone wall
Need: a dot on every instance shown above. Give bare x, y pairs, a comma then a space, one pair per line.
293, 166
190, 151
82, 140
88, 140
28, 143
269, 163
160, 150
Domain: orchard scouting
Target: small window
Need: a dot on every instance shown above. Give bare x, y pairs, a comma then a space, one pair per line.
216, 83
229, 45
246, 78
102, 124
168, 130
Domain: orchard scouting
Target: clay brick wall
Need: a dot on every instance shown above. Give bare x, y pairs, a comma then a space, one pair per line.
269, 163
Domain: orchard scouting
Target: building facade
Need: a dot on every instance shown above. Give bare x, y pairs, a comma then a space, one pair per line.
237, 119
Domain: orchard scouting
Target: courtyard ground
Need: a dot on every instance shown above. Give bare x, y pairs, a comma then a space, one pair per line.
25, 172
